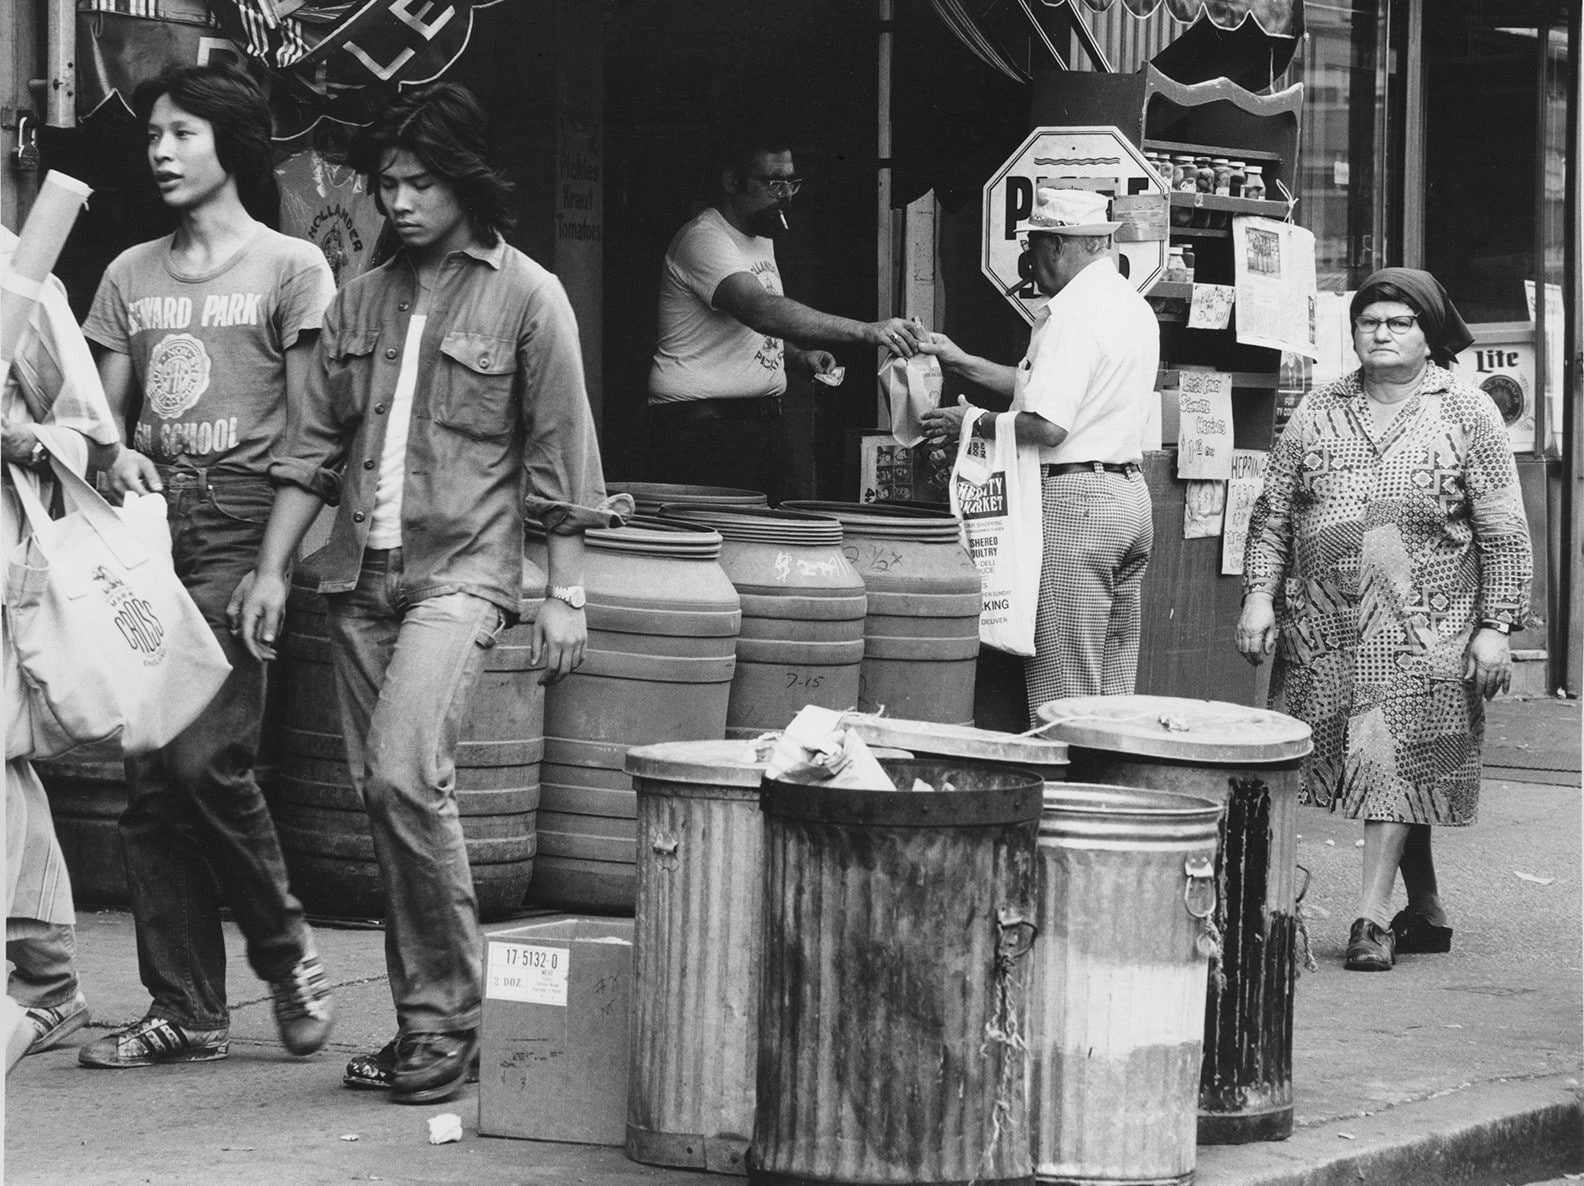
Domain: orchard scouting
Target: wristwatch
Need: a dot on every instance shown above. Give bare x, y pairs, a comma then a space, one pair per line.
1499, 627
573, 595
38, 455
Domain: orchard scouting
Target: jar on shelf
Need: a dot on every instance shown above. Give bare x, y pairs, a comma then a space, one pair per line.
1184, 179
1188, 260
1222, 188
1239, 176
1254, 183
1204, 183
1178, 270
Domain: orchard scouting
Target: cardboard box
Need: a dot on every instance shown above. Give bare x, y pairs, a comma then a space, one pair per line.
553, 1041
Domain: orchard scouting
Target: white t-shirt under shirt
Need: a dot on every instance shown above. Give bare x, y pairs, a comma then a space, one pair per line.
1091, 369
385, 524
208, 351
704, 352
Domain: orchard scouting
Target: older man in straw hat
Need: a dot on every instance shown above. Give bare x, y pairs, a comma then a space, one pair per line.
1084, 393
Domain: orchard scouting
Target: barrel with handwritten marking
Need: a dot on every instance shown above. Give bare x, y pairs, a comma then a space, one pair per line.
1248, 760
803, 609
921, 632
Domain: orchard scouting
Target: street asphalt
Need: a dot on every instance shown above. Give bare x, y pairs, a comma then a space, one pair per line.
1456, 1068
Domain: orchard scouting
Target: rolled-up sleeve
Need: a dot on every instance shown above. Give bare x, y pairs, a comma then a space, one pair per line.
566, 484
312, 452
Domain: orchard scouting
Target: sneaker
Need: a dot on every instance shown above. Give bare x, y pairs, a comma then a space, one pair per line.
376, 1071
372, 1072
303, 1009
54, 1024
152, 1041
433, 1067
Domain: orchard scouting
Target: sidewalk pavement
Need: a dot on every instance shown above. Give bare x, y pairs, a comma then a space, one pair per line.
1458, 1068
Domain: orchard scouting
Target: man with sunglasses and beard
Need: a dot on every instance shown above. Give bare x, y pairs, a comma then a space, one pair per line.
727, 332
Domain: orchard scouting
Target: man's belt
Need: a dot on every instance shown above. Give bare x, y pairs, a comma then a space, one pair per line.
691, 411
1060, 469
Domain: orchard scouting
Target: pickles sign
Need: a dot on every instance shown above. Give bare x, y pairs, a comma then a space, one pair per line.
1098, 158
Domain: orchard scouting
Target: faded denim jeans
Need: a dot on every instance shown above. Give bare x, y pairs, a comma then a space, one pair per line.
405, 673
195, 819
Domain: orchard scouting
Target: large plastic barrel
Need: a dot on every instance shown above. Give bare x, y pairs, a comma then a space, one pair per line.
695, 954
663, 621
320, 818
1247, 760
894, 979
803, 610
921, 633
1116, 1016
87, 794
651, 496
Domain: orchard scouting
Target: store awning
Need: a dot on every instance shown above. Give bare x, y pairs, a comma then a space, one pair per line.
1248, 41
1275, 18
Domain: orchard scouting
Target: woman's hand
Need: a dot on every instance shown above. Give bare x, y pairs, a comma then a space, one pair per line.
1256, 628
942, 425
1488, 663
559, 636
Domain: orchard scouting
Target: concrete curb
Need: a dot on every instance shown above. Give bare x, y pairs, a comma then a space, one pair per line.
1507, 1131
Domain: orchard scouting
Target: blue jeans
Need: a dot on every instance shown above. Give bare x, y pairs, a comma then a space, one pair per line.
196, 823
405, 672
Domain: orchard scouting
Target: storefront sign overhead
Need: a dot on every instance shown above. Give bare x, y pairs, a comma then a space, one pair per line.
1097, 158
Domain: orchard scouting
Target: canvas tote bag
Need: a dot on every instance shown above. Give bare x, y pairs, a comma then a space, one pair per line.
107, 644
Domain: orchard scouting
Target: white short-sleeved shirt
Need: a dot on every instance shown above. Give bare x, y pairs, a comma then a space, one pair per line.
1091, 368
704, 352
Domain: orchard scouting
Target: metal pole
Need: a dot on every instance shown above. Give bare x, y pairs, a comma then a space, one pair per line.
1571, 666
60, 109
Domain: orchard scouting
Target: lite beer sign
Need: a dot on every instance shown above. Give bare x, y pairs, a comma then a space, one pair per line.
1097, 158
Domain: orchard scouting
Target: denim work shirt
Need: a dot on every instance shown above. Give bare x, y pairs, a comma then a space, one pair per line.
501, 426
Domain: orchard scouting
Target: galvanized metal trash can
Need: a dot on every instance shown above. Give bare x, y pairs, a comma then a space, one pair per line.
696, 954
1248, 760
1116, 1015
893, 989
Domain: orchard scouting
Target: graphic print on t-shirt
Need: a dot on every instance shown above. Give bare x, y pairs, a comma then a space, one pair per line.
769, 355
180, 369
178, 374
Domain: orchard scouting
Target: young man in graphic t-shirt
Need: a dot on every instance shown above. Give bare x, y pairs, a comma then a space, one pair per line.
209, 331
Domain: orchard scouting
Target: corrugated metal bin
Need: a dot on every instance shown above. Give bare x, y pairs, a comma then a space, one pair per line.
894, 983
696, 952
1248, 760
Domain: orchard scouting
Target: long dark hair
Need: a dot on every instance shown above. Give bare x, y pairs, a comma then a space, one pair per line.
237, 110
443, 126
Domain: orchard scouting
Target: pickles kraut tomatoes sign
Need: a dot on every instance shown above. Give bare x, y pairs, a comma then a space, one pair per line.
1097, 158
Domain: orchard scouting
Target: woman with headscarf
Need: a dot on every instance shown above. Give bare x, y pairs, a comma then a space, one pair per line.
1389, 554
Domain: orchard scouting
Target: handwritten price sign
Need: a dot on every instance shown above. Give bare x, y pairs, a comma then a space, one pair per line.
1204, 441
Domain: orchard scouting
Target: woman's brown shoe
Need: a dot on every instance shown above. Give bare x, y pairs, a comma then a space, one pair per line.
1371, 948
1417, 935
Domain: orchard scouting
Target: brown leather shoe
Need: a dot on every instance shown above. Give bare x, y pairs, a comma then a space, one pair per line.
1371, 948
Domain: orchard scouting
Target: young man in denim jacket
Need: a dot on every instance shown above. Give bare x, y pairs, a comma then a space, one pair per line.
447, 382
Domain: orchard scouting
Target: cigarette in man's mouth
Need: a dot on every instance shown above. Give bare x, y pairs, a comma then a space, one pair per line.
781, 214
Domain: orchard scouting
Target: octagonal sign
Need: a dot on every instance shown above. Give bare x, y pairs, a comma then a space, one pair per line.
1099, 158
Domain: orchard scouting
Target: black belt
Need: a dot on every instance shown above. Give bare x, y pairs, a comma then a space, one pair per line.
691, 411
1060, 469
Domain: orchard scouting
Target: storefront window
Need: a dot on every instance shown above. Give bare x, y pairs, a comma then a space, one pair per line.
1344, 120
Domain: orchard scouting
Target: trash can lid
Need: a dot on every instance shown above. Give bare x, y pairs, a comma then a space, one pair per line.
1176, 727
957, 741
707, 763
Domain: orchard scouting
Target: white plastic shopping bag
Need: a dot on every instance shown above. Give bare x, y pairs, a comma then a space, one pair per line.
995, 494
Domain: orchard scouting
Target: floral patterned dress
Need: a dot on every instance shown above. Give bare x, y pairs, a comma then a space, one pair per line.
1390, 549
